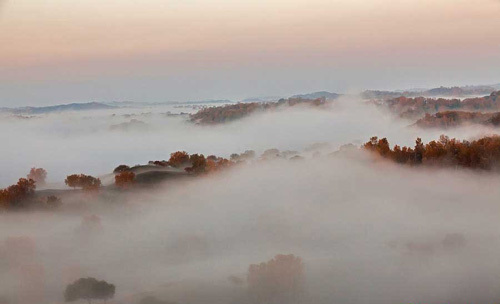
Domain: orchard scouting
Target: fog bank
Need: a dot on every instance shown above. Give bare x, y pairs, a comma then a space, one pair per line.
367, 232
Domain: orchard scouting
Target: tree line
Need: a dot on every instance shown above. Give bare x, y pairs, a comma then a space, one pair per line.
449, 119
483, 153
418, 106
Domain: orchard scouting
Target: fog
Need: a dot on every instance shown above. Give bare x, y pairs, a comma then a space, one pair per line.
367, 230
84, 142
368, 233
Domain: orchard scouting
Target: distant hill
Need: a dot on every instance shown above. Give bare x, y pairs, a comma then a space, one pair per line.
465, 91
230, 112
315, 95
59, 108
262, 99
205, 101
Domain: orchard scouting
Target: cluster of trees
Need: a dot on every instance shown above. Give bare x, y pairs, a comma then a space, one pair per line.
198, 163
212, 163
415, 107
89, 289
179, 159
449, 119
279, 280
194, 163
483, 153
221, 114
86, 182
17, 195
22, 195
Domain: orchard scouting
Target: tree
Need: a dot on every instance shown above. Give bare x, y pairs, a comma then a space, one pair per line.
89, 289
234, 157
121, 168
16, 195
86, 182
198, 163
125, 179
279, 280
178, 159
271, 154
72, 180
53, 201
419, 151
38, 175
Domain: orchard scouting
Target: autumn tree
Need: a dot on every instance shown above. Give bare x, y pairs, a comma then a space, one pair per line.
17, 195
279, 280
419, 151
38, 175
178, 159
198, 164
124, 179
89, 289
86, 182
216, 164
121, 168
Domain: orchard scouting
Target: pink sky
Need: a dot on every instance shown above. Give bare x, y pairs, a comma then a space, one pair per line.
54, 45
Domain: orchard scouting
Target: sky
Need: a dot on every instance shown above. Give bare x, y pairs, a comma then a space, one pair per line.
59, 51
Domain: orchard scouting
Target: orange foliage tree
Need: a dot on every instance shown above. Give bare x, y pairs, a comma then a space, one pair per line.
121, 168
17, 195
124, 179
217, 163
178, 159
198, 163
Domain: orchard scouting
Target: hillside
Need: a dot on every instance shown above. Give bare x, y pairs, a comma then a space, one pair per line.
59, 108
227, 113
418, 106
315, 95
466, 91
